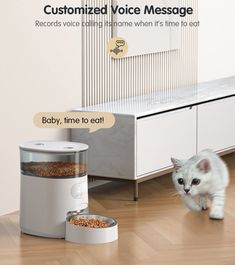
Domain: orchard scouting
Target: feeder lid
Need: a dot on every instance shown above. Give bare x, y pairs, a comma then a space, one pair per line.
53, 146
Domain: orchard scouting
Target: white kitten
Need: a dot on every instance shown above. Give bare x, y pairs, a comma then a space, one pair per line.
203, 174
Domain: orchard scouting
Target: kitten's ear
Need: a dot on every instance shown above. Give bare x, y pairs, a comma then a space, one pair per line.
176, 163
204, 166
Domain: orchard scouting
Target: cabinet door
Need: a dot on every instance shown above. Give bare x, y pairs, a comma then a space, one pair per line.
161, 137
216, 124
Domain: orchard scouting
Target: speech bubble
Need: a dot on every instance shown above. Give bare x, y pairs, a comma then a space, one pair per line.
120, 43
93, 121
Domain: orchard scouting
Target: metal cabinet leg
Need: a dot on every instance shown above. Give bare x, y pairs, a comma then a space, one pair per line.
136, 191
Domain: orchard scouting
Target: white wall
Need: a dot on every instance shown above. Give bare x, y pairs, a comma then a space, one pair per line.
39, 71
216, 39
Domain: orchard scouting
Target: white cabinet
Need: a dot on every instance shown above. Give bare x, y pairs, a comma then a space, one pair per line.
138, 146
216, 125
163, 136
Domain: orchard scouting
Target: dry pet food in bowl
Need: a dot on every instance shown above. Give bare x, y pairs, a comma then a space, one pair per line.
90, 229
89, 222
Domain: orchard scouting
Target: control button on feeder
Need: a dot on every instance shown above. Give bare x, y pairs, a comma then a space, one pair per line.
77, 191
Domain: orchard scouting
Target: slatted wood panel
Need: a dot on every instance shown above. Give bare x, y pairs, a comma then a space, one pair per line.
156, 230
106, 79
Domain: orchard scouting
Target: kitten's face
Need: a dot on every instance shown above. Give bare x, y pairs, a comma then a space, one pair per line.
190, 177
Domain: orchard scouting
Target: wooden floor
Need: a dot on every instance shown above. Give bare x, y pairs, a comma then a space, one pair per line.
156, 230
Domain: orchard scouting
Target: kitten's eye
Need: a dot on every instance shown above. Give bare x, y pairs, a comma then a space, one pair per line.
181, 181
196, 181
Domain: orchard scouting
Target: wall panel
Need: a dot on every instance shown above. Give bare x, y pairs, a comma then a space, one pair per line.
106, 79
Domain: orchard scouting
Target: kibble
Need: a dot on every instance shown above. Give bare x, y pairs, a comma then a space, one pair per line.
88, 222
53, 169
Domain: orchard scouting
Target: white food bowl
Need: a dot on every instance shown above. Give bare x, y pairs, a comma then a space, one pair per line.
86, 235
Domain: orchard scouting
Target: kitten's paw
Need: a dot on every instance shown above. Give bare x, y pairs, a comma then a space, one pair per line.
203, 204
196, 208
217, 214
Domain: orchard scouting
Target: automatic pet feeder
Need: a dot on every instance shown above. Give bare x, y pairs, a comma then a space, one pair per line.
54, 191
53, 182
